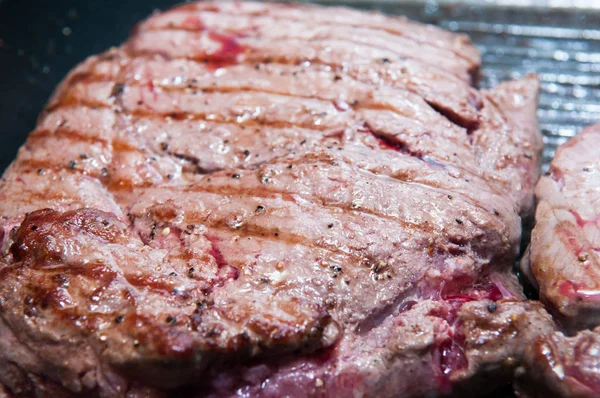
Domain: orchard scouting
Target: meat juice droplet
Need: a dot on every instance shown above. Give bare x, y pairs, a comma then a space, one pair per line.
450, 358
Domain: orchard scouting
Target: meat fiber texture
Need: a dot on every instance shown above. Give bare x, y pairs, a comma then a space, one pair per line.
268, 200
563, 262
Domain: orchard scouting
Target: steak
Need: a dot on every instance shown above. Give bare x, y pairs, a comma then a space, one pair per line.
563, 262
268, 200
563, 259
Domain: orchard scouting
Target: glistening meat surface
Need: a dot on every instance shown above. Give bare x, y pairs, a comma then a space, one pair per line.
563, 263
266, 200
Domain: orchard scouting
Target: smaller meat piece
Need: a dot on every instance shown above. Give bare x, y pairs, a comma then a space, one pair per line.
559, 366
565, 245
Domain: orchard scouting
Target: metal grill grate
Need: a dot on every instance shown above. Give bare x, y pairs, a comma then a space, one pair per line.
561, 45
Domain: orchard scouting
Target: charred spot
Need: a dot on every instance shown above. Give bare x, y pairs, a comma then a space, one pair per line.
31, 237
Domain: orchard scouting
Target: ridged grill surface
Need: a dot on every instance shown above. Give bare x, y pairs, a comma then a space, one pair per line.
561, 46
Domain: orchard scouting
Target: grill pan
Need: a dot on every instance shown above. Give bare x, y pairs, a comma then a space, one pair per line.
40, 41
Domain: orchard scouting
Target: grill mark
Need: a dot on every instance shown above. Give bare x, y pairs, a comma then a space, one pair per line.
126, 185
422, 61
287, 60
285, 238
248, 88
65, 132
31, 165
181, 115
268, 194
331, 22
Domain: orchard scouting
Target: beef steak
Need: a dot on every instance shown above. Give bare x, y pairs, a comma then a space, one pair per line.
270, 200
563, 262
564, 257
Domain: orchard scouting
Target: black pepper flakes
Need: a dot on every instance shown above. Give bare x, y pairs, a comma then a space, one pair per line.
290, 166
191, 272
199, 305
336, 268
235, 175
247, 152
450, 197
72, 164
105, 223
386, 61
586, 169
303, 142
34, 227
164, 146
84, 156
496, 212
264, 280
173, 273
40, 171
117, 89
260, 209
459, 222
492, 307
104, 171
119, 319
330, 225
171, 320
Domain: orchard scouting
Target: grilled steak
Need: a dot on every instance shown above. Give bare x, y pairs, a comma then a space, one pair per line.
564, 258
270, 200
563, 263
559, 366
